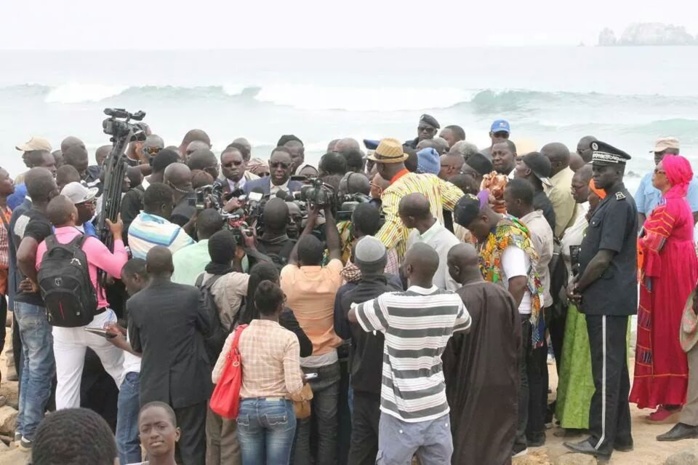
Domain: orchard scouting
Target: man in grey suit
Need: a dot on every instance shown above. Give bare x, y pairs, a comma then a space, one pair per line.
280, 168
167, 325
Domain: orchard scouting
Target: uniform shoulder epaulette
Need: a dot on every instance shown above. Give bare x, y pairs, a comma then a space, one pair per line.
620, 196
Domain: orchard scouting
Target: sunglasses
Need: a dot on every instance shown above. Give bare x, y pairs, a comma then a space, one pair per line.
151, 150
426, 129
658, 171
276, 164
233, 163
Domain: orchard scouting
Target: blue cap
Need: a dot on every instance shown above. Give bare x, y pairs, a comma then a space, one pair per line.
428, 161
501, 125
371, 144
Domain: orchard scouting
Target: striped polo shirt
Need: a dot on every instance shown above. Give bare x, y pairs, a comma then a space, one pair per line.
417, 324
147, 231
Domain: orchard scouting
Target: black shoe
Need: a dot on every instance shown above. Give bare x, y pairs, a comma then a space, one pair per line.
536, 442
519, 450
585, 447
624, 446
678, 432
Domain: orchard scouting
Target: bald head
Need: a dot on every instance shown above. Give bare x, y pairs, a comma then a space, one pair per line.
40, 184
576, 162
583, 174
244, 142
353, 183
584, 148
276, 214
559, 156
101, 154
414, 205
158, 262
71, 141
178, 175
202, 159
196, 135
464, 263
346, 145
437, 143
77, 156
421, 263
61, 211
195, 146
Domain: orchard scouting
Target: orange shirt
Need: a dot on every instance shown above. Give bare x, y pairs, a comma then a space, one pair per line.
310, 293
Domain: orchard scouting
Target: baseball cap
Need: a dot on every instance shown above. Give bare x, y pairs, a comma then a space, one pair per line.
428, 161
665, 143
540, 165
77, 193
500, 125
35, 143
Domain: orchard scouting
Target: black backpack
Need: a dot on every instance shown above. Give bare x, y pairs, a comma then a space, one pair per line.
64, 281
216, 338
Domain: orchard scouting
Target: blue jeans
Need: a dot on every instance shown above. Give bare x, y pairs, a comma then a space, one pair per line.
127, 439
38, 366
265, 431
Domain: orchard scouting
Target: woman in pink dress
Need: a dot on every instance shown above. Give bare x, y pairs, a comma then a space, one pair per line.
668, 274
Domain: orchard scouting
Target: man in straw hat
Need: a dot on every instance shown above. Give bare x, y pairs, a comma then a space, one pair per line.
390, 158
606, 292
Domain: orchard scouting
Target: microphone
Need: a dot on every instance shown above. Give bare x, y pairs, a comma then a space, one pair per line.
283, 195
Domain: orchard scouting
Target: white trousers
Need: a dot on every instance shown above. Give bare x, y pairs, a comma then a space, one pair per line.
69, 346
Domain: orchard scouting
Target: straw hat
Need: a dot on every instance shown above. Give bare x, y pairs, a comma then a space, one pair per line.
389, 151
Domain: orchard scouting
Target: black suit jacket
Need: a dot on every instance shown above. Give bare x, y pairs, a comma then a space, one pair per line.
167, 323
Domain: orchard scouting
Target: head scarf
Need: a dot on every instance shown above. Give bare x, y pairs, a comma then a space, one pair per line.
679, 174
599, 192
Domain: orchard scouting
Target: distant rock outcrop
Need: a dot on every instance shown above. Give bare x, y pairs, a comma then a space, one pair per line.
648, 34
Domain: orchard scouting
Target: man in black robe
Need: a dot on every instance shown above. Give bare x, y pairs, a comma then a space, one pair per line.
481, 367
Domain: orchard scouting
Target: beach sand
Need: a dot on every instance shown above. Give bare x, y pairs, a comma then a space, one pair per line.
647, 450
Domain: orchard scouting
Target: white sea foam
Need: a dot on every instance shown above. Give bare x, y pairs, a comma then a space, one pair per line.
75, 92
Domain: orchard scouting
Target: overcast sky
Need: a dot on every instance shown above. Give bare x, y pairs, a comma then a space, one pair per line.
209, 24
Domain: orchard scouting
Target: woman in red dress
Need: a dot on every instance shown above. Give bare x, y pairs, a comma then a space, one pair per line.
668, 274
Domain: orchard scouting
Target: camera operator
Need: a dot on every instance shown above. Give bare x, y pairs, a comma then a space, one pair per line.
274, 242
310, 290
179, 177
350, 185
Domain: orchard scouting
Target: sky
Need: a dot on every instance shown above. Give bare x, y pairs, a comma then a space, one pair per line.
221, 24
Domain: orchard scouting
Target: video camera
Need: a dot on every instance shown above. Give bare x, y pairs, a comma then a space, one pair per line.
315, 192
238, 221
348, 203
115, 127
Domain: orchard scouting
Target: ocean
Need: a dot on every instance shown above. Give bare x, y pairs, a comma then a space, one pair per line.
627, 96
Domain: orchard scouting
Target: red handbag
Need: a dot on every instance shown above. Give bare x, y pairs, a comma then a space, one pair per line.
225, 400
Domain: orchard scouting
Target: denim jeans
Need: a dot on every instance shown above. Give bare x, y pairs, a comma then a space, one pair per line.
127, 439
38, 369
324, 412
265, 431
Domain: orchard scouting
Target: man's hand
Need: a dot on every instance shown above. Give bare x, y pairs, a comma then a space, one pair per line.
117, 229
574, 295
28, 286
232, 205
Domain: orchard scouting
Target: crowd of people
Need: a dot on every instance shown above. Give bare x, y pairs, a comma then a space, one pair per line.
416, 320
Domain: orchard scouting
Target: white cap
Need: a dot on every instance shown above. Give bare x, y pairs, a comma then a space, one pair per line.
77, 193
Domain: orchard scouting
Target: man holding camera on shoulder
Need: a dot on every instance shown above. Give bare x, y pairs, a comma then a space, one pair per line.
310, 290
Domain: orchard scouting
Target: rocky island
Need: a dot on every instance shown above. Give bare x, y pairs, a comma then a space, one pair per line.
645, 34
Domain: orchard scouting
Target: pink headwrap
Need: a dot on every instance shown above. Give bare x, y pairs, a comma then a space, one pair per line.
679, 174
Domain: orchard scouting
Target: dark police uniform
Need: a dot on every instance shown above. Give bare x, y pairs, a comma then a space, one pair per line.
607, 303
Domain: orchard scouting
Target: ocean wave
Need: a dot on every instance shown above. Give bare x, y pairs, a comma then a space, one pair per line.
365, 99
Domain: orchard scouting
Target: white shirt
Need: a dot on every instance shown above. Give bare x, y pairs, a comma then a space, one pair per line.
542, 238
132, 363
274, 189
441, 240
516, 263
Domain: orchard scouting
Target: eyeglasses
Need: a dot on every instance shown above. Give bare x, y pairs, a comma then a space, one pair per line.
151, 150
276, 164
426, 129
230, 165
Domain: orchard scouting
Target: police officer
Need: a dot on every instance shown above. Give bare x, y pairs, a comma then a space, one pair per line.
606, 292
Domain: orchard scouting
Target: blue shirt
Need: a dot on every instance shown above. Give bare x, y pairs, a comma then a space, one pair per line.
648, 197
16, 199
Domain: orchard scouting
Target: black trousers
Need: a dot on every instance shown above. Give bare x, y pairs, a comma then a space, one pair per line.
520, 442
556, 329
364, 429
191, 448
609, 414
537, 368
